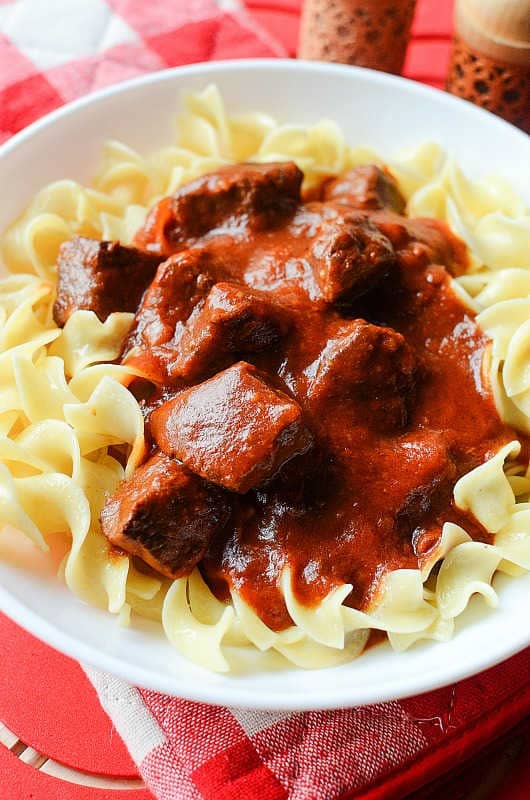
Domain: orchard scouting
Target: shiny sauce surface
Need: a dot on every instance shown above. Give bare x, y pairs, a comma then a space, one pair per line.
373, 493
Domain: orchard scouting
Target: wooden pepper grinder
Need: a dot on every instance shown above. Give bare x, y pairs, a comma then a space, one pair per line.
490, 61
369, 33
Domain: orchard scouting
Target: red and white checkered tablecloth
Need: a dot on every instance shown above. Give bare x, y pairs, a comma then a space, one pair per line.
52, 51
190, 751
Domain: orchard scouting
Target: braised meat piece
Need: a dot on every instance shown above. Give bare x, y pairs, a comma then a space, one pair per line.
233, 319
258, 195
366, 187
350, 255
179, 284
235, 429
100, 276
165, 515
438, 243
373, 365
423, 241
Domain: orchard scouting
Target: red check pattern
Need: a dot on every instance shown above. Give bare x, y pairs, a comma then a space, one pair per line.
118, 39
380, 752
203, 752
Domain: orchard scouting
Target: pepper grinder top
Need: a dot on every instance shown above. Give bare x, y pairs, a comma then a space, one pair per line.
490, 63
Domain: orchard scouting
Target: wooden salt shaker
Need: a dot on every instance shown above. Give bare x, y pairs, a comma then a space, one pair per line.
490, 61
368, 33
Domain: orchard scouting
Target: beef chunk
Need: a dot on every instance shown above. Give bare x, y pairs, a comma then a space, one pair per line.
235, 429
367, 187
373, 365
233, 319
257, 195
439, 244
100, 276
350, 256
430, 237
165, 515
179, 284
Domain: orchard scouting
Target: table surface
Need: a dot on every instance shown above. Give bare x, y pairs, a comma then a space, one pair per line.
51, 753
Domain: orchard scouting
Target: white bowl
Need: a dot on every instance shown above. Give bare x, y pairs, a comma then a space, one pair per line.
373, 109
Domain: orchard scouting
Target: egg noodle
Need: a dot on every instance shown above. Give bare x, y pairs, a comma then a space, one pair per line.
64, 409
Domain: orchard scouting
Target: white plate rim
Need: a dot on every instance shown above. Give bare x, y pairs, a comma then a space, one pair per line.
235, 696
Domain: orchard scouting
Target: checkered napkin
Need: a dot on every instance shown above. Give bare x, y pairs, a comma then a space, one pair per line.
52, 51
191, 751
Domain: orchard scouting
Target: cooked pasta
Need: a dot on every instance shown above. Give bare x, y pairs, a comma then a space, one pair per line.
66, 411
